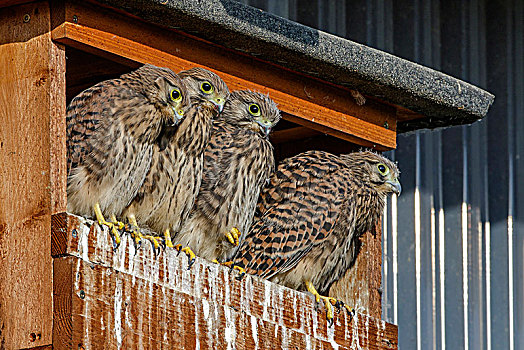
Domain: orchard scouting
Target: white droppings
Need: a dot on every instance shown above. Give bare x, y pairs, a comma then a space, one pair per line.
118, 313
254, 330
308, 342
197, 341
229, 329
355, 340
205, 308
314, 318
132, 256
331, 337
295, 310
267, 300
127, 317
285, 338
197, 283
280, 303
77, 275
227, 296
83, 243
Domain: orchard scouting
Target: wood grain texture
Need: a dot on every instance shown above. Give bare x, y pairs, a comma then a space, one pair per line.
292, 134
28, 113
361, 286
324, 107
128, 298
9, 3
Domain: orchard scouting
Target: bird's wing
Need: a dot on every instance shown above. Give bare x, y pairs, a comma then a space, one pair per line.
300, 209
84, 115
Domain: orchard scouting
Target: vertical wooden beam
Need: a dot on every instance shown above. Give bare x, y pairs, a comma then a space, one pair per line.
63, 300
361, 286
32, 158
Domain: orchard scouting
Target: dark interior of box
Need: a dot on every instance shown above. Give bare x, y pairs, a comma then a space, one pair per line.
85, 69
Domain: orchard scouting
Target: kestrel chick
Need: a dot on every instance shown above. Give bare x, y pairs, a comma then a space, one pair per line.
309, 216
237, 163
164, 201
111, 130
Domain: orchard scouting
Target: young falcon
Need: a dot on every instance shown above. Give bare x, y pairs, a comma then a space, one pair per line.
111, 130
237, 163
315, 207
165, 199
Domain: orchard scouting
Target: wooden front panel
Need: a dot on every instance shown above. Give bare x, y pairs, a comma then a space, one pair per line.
130, 298
32, 184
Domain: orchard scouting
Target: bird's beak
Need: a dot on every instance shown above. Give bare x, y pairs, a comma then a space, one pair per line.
395, 186
219, 104
178, 115
265, 126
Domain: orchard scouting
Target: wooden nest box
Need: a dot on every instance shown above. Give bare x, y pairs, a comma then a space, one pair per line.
61, 284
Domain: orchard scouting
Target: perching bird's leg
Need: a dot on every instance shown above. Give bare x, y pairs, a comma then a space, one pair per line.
230, 264
167, 239
135, 230
154, 241
190, 255
112, 225
329, 302
233, 235
116, 224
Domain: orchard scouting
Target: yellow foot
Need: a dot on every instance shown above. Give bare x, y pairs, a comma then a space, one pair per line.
167, 239
329, 302
233, 235
230, 264
155, 242
113, 226
190, 255
134, 230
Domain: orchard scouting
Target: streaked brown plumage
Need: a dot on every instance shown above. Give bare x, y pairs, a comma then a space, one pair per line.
238, 161
309, 216
111, 129
170, 188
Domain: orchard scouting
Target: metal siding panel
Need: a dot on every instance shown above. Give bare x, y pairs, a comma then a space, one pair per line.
452, 198
427, 262
519, 170
407, 312
498, 172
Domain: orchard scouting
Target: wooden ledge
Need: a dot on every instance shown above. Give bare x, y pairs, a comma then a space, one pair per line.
308, 101
126, 297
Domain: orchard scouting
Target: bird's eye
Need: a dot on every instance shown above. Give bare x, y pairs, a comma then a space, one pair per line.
384, 170
176, 95
254, 109
206, 87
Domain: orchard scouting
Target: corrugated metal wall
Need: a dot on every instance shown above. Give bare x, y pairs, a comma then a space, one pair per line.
454, 242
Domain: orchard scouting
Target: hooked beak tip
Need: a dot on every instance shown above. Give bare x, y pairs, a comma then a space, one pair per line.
395, 187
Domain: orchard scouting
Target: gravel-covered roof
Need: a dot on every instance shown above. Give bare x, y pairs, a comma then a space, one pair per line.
443, 99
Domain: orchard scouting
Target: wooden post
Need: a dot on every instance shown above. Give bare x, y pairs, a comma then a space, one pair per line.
32, 179
360, 287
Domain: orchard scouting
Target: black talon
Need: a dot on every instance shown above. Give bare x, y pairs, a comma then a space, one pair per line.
241, 276
191, 262
339, 304
115, 246
330, 322
156, 250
